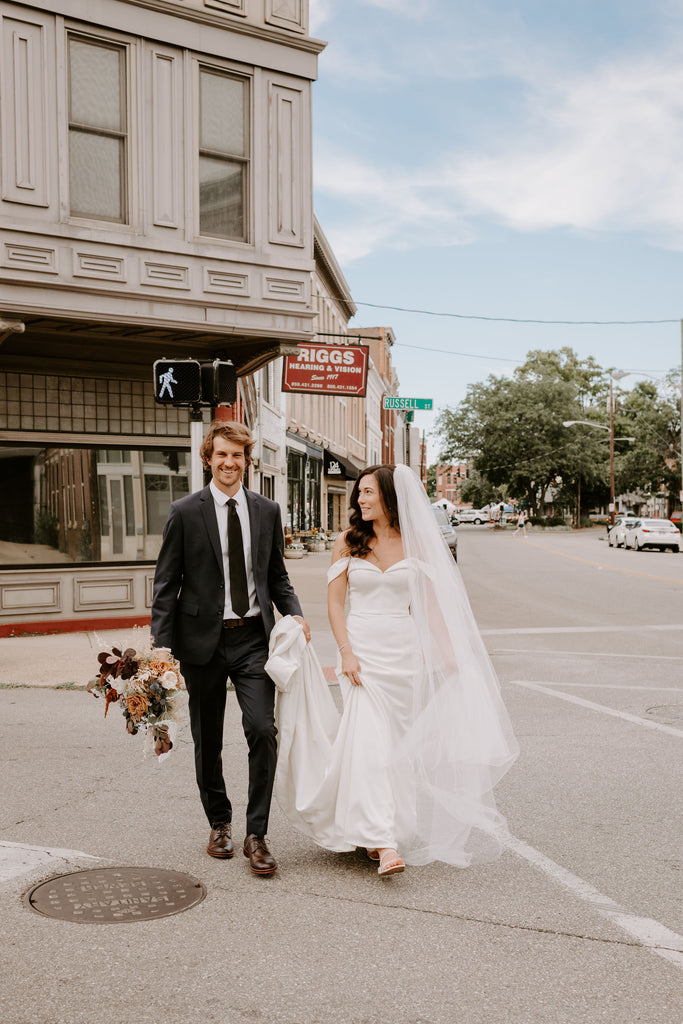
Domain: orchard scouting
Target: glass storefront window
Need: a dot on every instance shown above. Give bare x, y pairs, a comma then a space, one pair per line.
86, 505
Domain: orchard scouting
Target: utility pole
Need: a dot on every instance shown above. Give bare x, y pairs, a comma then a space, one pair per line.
681, 494
612, 495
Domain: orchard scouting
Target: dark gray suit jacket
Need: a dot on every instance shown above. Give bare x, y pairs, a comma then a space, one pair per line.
189, 585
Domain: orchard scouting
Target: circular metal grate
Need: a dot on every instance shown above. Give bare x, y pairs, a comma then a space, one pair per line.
113, 895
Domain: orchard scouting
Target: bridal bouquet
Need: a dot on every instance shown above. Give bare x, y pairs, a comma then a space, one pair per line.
145, 684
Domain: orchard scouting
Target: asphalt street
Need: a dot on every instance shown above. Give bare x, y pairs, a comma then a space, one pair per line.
581, 919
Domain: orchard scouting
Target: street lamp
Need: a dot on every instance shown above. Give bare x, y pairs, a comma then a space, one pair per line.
617, 375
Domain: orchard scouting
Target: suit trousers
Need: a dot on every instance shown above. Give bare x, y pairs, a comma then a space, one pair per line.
240, 656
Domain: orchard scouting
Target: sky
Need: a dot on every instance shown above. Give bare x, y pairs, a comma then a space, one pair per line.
504, 162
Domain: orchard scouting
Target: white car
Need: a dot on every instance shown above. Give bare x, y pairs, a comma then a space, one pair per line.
653, 533
616, 535
469, 515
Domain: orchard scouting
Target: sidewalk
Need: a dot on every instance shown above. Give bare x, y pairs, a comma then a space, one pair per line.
67, 660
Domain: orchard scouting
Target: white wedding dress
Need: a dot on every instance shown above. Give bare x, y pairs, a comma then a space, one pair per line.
412, 761
376, 714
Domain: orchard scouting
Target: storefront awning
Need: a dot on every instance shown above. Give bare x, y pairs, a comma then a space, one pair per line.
337, 466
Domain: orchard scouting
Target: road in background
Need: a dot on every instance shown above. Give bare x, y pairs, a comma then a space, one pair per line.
579, 921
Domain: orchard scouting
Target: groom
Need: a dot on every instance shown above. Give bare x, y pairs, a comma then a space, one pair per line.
219, 573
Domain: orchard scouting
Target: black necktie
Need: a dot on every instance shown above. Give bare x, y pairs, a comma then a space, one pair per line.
239, 593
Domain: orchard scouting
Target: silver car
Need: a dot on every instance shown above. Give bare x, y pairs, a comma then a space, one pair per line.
653, 533
447, 531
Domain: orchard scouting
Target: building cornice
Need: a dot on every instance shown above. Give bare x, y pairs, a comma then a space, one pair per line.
279, 42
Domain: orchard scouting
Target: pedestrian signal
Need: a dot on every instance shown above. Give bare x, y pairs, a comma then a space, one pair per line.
219, 383
177, 381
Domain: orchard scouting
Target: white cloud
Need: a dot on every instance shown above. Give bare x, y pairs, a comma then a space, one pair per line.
386, 208
602, 151
319, 12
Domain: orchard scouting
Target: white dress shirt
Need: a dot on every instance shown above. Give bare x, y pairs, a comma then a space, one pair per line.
221, 503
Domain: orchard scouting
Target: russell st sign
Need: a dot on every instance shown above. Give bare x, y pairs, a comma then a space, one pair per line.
394, 402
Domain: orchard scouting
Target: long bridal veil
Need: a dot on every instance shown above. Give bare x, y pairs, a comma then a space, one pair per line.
460, 742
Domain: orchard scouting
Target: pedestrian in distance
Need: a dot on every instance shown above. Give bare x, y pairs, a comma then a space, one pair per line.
219, 573
521, 524
408, 769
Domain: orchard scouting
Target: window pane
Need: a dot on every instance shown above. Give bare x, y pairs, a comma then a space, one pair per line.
95, 85
41, 525
221, 106
221, 199
157, 500
95, 175
180, 486
129, 506
104, 506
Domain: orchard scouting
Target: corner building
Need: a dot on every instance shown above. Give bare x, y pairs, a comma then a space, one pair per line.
155, 202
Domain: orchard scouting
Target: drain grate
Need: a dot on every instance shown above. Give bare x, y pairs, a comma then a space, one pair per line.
113, 895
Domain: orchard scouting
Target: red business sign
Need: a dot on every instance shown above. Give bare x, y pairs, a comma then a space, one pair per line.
327, 370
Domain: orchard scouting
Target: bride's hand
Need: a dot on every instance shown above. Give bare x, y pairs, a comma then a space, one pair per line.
351, 666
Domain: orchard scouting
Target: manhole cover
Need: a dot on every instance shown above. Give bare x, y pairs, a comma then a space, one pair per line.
111, 895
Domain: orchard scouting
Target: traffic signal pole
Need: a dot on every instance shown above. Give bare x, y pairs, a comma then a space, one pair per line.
196, 437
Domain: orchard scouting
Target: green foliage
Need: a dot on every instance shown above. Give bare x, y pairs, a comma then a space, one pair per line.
478, 490
512, 427
652, 415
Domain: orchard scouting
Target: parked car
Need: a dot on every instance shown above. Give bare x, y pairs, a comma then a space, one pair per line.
469, 515
617, 533
676, 518
653, 533
447, 531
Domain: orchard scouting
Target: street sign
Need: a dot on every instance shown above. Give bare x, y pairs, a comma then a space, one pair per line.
177, 381
394, 402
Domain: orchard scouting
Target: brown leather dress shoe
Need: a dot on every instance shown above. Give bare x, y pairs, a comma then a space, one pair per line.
220, 840
261, 860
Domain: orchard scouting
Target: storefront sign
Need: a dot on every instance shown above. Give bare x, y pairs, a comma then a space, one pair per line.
335, 465
327, 370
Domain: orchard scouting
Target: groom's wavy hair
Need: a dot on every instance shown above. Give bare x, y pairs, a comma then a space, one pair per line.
360, 532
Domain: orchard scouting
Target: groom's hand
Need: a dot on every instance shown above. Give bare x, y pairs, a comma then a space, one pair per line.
307, 628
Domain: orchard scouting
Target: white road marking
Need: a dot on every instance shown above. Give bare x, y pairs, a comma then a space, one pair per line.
588, 654
648, 932
621, 686
534, 630
19, 858
592, 706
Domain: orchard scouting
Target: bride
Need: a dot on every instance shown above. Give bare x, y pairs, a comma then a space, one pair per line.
424, 735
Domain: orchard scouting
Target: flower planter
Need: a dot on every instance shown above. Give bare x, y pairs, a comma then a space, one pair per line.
315, 545
293, 552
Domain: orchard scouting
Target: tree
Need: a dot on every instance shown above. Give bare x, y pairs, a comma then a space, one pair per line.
478, 490
652, 415
511, 428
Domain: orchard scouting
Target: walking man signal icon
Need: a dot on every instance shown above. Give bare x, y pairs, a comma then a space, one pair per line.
165, 380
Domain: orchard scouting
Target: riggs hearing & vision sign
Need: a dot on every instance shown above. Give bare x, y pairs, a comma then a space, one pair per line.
327, 370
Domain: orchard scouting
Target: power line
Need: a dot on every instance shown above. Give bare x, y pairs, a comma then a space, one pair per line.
466, 355
357, 336
516, 320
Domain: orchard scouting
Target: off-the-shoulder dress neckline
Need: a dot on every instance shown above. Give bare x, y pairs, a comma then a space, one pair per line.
372, 565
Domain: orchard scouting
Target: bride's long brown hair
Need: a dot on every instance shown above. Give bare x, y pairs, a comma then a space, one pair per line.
360, 532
